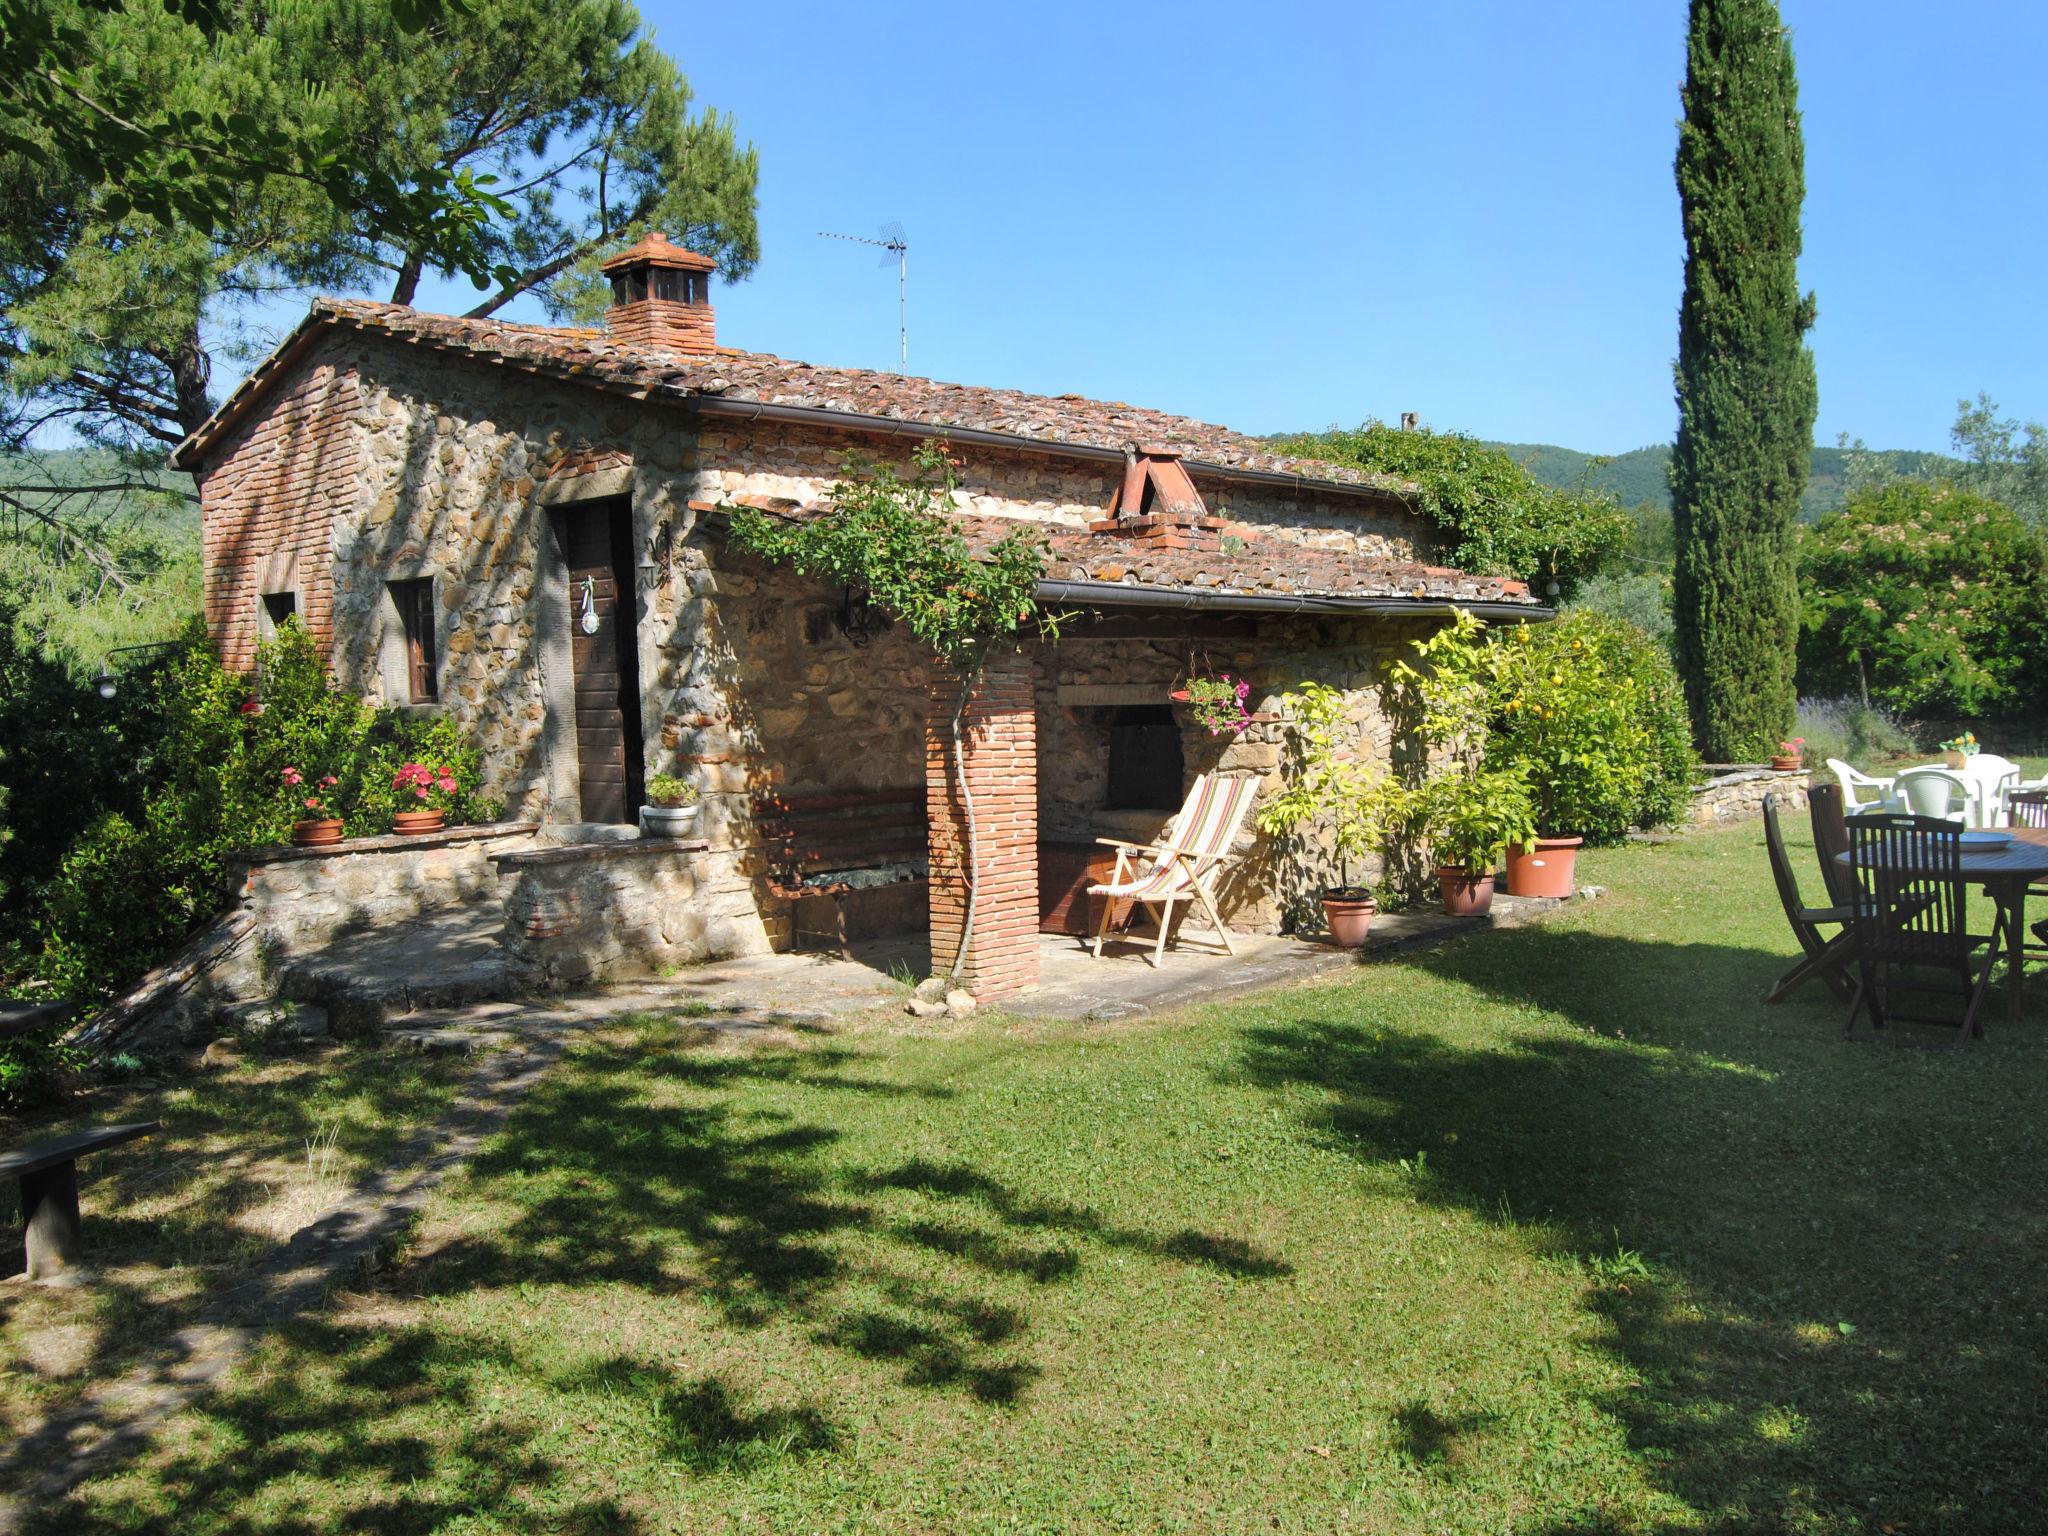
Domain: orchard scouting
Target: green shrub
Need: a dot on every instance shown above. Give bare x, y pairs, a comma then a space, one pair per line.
1502, 521
1927, 599
1591, 708
230, 775
1859, 734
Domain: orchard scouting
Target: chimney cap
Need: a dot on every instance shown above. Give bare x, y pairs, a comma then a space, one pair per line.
655, 249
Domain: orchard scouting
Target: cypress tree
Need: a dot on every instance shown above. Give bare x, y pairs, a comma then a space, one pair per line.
1746, 390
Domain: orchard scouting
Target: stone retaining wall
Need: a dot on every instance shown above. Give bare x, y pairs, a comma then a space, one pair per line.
303, 898
1738, 794
637, 908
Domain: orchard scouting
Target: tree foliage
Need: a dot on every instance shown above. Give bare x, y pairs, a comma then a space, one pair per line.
72, 104
1745, 379
1925, 598
115, 318
1501, 520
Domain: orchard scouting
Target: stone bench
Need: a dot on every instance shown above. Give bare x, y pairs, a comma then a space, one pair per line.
48, 1171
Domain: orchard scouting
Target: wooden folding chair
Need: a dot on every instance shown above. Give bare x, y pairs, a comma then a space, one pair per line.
1196, 848
1827, 958
1911, 924
1826, 807
2029, 808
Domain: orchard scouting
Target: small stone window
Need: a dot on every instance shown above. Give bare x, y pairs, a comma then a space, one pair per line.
277, 607
414, 601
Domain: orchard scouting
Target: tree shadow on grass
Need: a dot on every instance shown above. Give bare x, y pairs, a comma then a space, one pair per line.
1734, 1185
667, 1173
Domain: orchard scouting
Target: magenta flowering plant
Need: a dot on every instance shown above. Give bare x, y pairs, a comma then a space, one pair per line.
309, 798
425, 787
1218, 703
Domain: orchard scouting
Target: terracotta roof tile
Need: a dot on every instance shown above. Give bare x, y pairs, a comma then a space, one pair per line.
594, 354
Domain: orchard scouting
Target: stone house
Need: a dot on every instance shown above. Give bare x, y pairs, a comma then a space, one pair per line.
524, 526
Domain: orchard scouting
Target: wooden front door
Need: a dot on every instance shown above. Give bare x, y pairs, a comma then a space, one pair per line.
597, 545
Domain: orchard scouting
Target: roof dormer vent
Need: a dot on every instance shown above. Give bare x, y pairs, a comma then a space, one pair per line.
661, 296
1158, 504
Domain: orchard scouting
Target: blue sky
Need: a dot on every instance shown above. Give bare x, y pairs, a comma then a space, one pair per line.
1288, 216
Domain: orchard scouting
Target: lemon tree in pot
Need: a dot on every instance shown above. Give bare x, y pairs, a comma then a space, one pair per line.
1471, 817
671, 806
1327, 786
1590, 708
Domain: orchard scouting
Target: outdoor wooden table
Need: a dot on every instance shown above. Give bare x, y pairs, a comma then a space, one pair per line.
2005, 873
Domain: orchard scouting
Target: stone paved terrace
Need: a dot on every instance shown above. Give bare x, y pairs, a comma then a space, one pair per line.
766, 991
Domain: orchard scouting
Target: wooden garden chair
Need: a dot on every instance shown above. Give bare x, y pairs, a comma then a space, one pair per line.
1196, 849
1911, 924
1826, 807
1826, 957
2028, 807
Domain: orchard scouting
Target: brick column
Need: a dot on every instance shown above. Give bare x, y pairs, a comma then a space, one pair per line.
1000, 735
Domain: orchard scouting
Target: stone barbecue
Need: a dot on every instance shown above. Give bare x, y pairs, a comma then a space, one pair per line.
524, 527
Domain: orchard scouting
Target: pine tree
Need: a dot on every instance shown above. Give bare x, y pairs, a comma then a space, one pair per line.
1746, 390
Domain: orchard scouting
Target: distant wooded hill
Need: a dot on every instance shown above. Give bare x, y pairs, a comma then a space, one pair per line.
1642, 474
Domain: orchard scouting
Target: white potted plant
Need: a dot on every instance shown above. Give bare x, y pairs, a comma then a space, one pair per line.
671, 808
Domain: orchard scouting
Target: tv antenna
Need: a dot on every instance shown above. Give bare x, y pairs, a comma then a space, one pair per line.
893, 248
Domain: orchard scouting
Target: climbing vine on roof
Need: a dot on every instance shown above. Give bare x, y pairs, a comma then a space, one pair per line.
887, 533
1501, 520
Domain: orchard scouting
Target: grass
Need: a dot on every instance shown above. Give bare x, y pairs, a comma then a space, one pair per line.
246, 1157
1559, 1232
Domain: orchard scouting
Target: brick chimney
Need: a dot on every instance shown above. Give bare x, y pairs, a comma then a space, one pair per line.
1157, 504
661, 296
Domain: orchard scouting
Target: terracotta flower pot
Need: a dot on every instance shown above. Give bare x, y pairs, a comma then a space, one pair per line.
1785, 765
1954, 760
1349, 916
1465, 894
1547, 870
418, 823
317, 832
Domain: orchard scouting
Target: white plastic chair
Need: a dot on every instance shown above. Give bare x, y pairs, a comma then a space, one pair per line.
1934, 792
1852, 780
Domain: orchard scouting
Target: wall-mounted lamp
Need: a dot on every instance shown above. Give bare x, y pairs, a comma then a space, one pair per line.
658, 561
858, 617
106, 684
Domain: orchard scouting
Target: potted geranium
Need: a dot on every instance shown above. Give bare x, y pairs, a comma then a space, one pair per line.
1217, 703
1791, 754
427, 791
1330, 788
671, 806
1957, 751
318, 821
1471, 817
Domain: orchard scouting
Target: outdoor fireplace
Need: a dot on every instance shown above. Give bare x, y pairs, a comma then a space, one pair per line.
1146, 767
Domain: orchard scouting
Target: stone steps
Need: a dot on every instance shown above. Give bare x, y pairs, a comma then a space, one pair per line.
451, 958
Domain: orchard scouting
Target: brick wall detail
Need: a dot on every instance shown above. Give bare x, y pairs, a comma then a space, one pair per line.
268, 507
1000, 733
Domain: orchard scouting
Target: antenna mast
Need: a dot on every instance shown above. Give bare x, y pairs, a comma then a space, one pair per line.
893, 247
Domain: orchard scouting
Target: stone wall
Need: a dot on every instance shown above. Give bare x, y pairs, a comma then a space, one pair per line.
611, 911
1739, 795
304, 898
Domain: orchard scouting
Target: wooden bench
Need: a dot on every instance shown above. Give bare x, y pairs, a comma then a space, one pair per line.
816, 847
48, 1171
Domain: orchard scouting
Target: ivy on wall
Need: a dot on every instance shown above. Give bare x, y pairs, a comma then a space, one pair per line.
1501, 520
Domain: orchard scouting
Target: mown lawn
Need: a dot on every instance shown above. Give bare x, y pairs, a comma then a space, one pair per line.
1555, 1232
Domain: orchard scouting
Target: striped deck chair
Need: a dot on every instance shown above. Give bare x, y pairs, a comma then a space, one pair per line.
1184, 864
